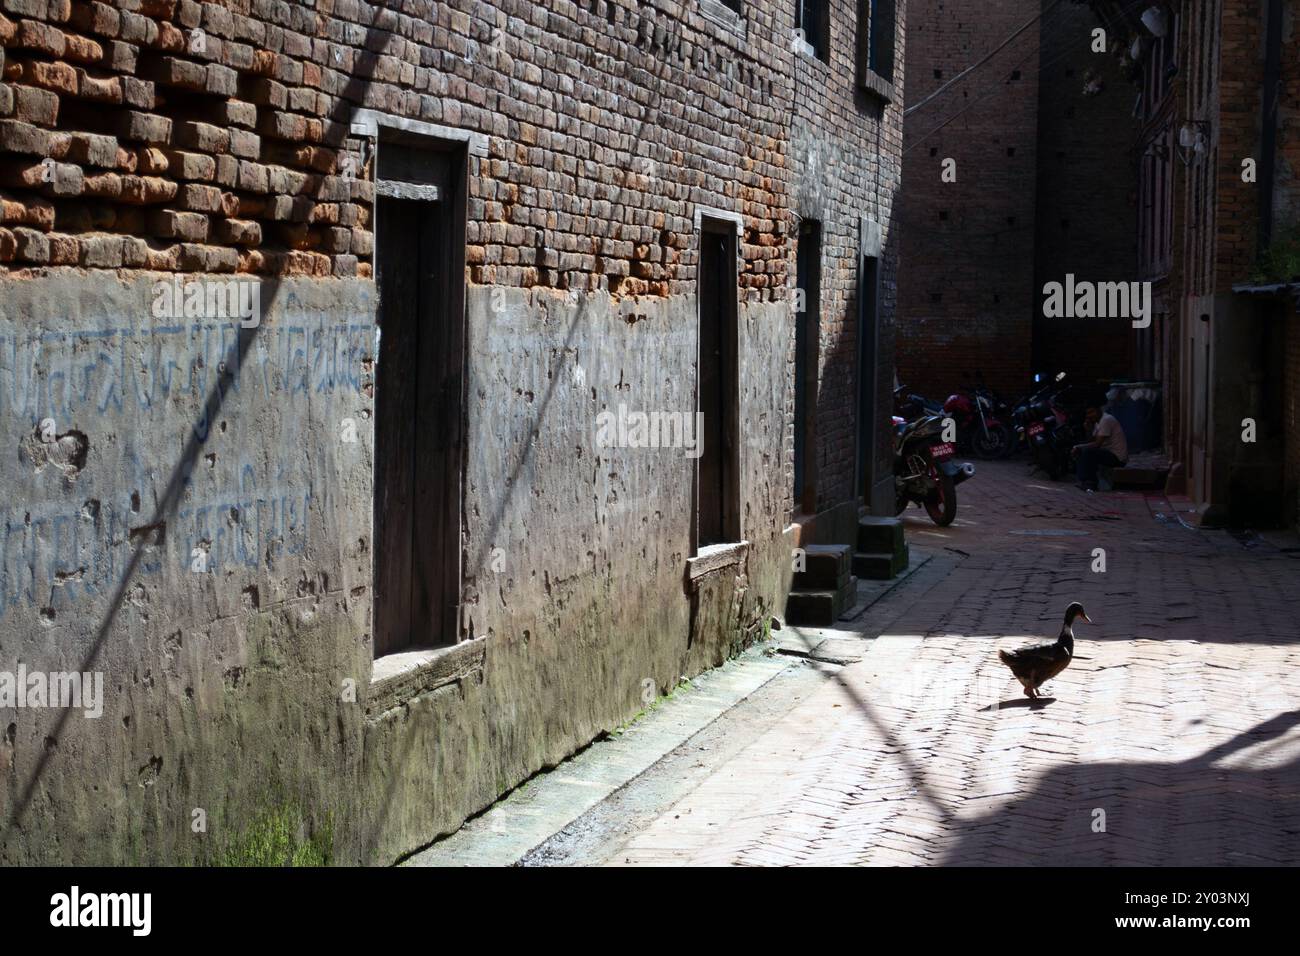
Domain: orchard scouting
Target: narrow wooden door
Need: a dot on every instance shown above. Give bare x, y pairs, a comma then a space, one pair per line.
717, 515
417, 412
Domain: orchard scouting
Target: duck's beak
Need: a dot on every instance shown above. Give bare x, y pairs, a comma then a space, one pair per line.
1084, 615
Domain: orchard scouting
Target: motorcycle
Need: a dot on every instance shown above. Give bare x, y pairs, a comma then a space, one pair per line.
924, 471
1032, 419
978, 427
1053, 425
982, 434
911, 406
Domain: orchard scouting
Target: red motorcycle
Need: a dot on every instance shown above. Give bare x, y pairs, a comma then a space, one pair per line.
979, 430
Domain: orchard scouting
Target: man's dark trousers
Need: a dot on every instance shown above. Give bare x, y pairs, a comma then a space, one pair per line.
1090, 459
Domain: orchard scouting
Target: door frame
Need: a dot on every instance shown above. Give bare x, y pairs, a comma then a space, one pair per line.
457, 150
867, 359
807, 327
730, 226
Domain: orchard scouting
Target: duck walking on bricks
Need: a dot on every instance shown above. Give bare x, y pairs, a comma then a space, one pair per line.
1035, 666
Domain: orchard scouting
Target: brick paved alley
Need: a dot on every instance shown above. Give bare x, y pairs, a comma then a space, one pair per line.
1176, 727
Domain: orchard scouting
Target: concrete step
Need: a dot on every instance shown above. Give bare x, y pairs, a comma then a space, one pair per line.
880, 565
1135, 478
826, 568
820, 608
877, 535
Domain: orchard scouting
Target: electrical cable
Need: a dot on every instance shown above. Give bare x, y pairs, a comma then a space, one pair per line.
997, 86
1010, 230
984, 59
990, 90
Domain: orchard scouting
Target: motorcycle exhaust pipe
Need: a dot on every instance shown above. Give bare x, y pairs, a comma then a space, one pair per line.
964, 470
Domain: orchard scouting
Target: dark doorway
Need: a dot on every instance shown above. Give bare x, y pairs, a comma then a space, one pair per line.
717, 392
418, 405
868, 321
808, 269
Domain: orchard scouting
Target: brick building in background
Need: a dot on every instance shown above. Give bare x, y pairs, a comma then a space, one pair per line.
1220, 235
310, 317
1039, 192
1086, 196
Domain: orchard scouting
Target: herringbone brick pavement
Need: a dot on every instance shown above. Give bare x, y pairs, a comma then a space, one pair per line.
1171, 739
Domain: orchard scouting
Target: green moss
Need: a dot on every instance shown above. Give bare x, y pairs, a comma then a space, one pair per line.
282, 836
650, 708
1280, 262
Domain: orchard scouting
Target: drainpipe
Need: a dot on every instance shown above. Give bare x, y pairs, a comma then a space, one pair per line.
1268, 120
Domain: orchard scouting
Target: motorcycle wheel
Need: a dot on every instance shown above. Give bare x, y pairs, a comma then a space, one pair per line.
941, 504
996, 444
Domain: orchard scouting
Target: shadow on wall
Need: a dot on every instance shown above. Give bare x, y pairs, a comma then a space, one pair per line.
347, 103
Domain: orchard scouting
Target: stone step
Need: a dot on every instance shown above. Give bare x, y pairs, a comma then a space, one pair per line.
878, 535
1136, 478
880, 565
820, 608
826, 567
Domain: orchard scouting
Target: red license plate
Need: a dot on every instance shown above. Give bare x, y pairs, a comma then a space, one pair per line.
940, 452
1035, 429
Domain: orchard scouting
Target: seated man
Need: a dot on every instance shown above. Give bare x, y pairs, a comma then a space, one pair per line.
1106, 446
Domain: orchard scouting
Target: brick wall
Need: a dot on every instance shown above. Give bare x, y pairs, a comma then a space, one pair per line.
173, 135
1291, 417
1045, 187
1286, 216
1086, 194
215, 136
1286, 206
219, 138
966, 300
845, 165
1238, 95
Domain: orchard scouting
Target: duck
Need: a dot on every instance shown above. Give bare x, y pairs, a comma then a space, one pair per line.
1035, 666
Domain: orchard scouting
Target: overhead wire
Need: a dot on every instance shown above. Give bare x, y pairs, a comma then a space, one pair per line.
988, 91
984, 59
991, 89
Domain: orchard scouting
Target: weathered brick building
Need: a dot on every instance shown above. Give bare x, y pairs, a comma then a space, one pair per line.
1219, 235
1086, 194
1010, 181
846, 139
313, 323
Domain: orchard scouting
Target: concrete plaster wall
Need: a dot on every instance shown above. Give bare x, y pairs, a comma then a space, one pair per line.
228, 690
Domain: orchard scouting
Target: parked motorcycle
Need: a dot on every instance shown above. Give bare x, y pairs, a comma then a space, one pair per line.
1000, 411
924, 471
910, 406
1031, 418
1053, 425
978, 428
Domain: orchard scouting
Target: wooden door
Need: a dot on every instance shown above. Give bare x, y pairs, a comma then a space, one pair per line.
418, 409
